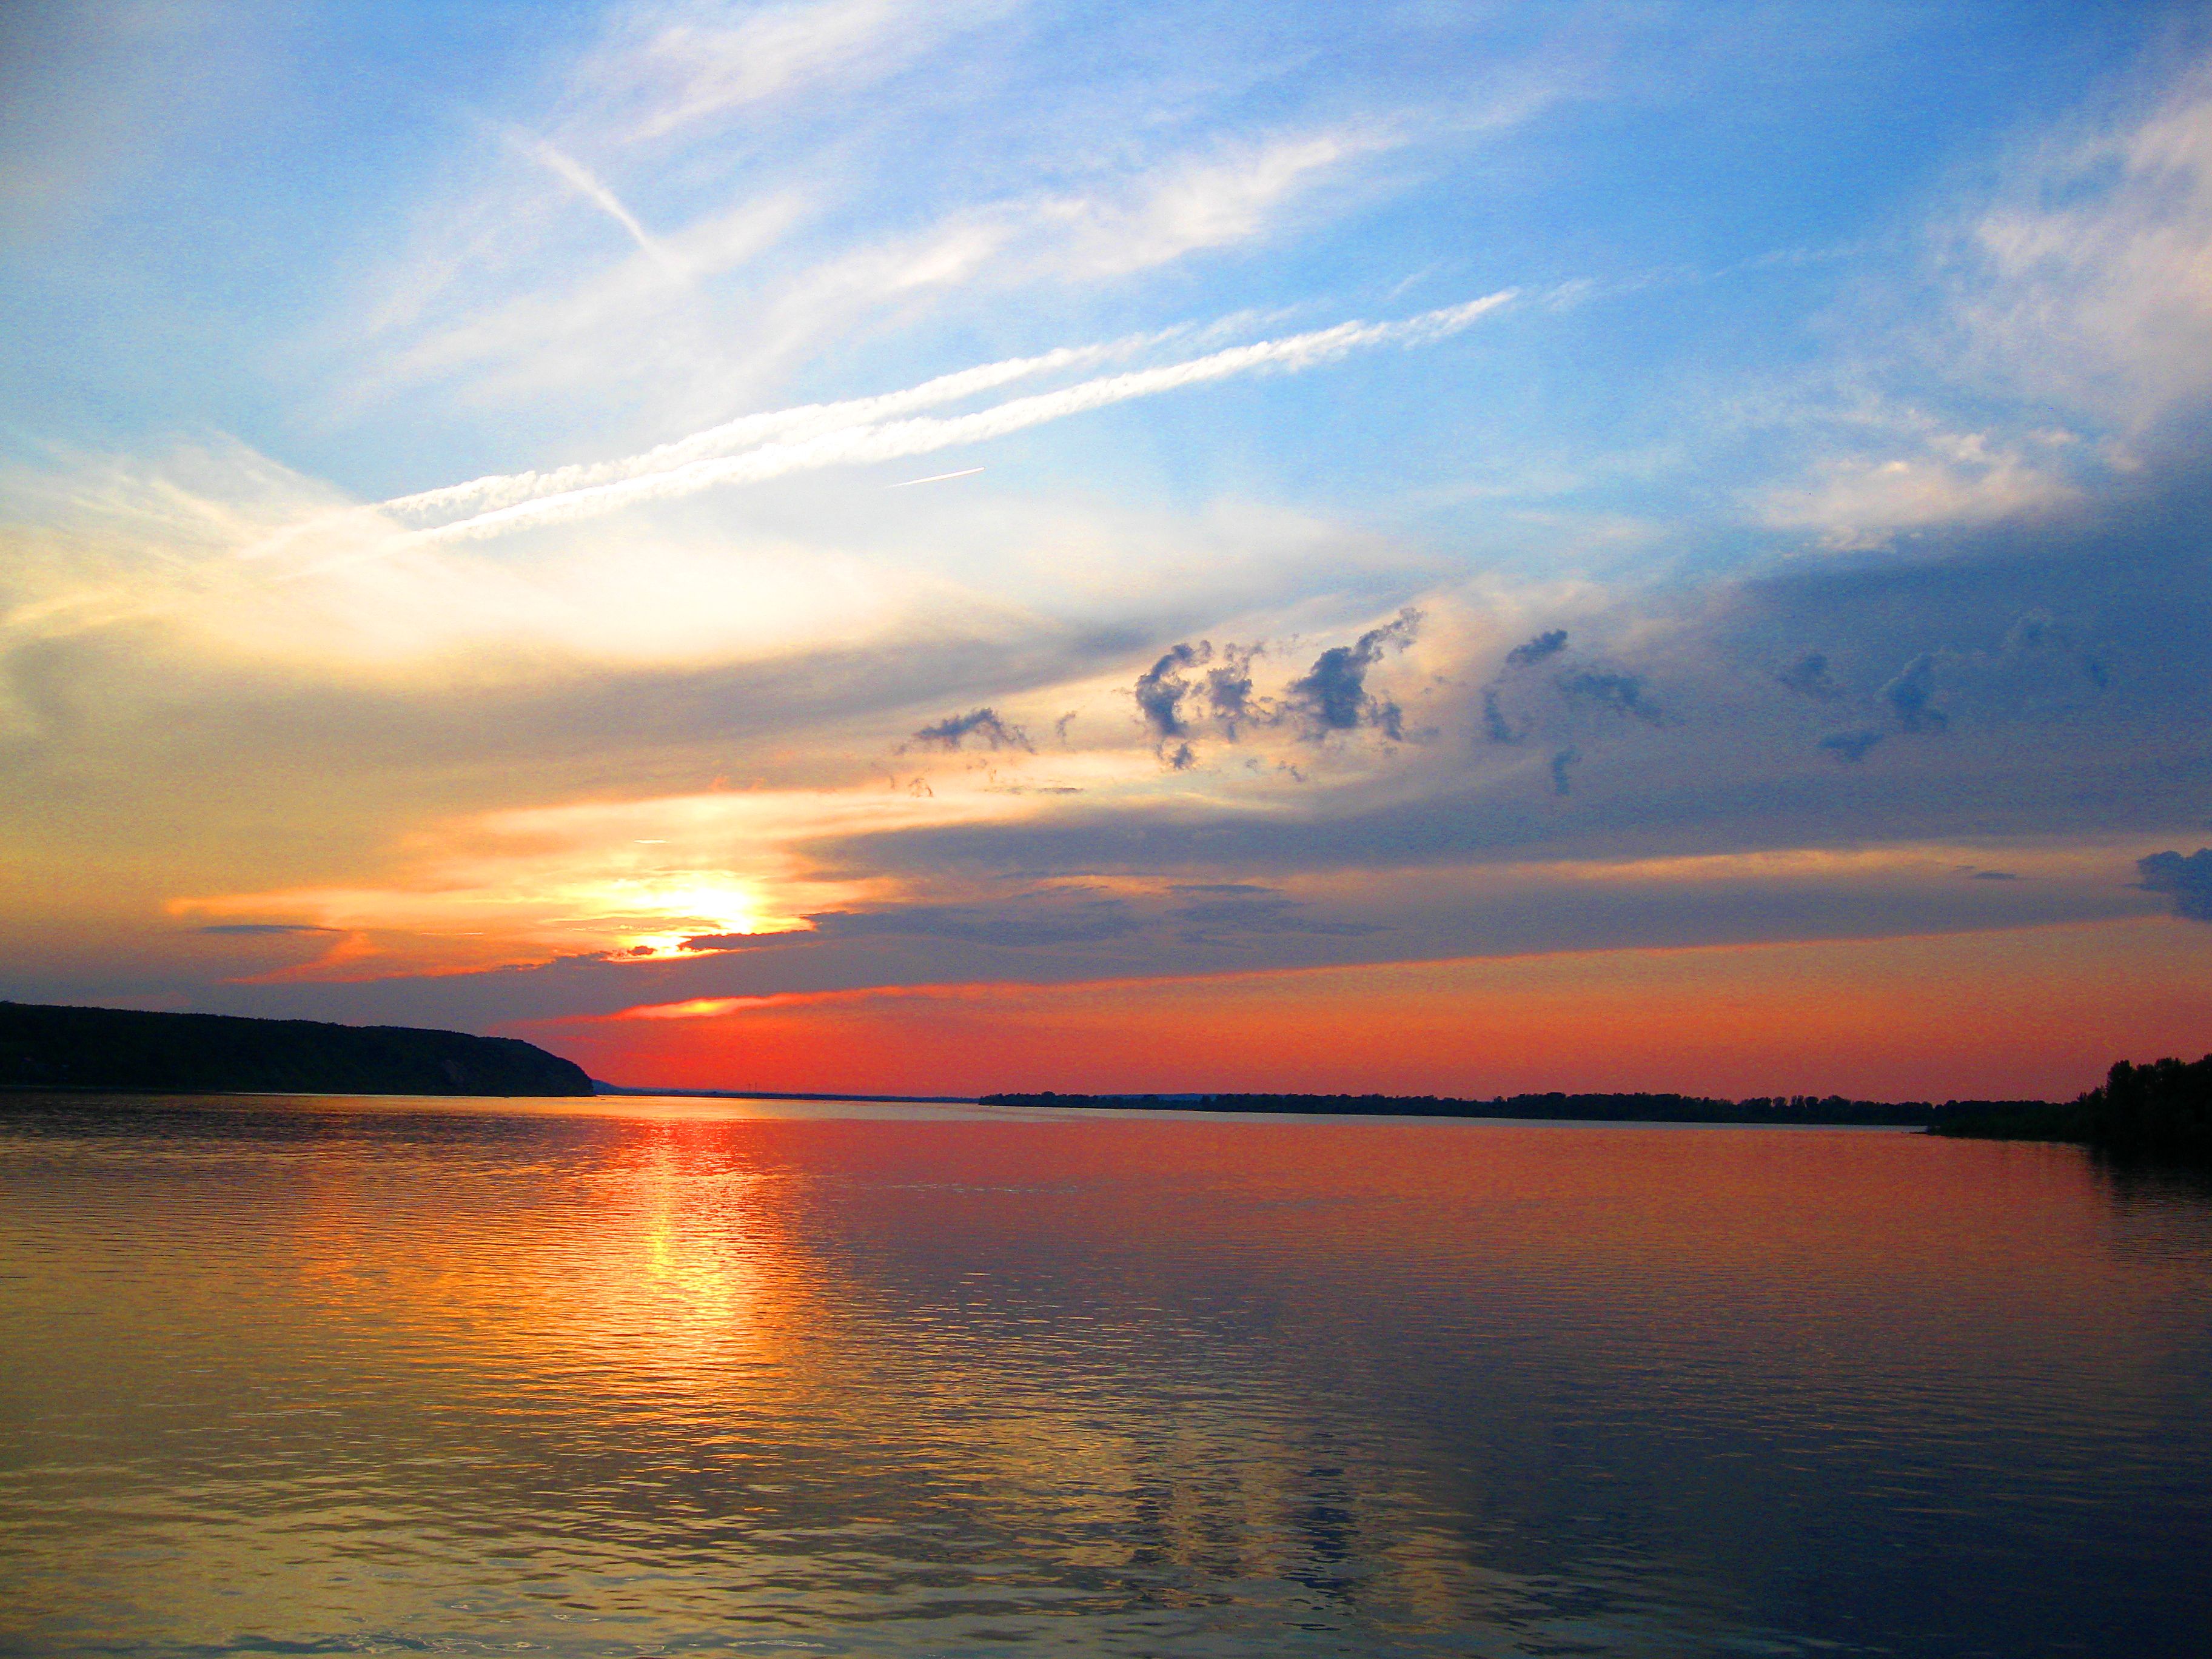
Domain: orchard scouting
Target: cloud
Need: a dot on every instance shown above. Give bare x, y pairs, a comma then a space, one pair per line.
1808, 677
864, 442
1616, 694
1229, 690
255, 928
2085, 278
1224, 911
587, 185
1544, 645
1907, 696
2186, 879
1201, 204
981, 724
1052, 916
1850, 746
749, 432
1161, 689
1947, 478
1561, 762
666, 68
1495, 726
1333, 696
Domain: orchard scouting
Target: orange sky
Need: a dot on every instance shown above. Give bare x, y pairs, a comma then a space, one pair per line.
2032, 1012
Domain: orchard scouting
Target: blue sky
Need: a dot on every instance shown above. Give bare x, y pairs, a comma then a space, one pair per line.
1831, 379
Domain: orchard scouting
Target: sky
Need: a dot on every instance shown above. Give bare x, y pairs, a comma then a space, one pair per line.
999, 544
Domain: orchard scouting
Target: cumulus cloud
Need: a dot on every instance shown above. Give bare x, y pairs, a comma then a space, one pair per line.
1616, 694
1808, 677
1544, 645
983, 725
2187, 880
1495, 724
1229, 690
1850, 747
1561, 762
1161, 689
1908, 695
1333, 696
1195, 690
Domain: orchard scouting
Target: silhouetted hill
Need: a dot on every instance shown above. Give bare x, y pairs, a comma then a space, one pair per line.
122, 1048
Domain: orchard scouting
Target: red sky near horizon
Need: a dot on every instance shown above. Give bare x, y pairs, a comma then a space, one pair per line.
1521, 558
2025, 1014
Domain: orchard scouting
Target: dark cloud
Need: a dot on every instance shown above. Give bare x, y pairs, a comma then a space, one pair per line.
1543, 645
1908, 695
2187, 880
741, 941
1229, 690
1850, 746
1808, 677
253, 928
1617, 694
1334, 697
1044, 918
1241, 909
981, 724
1162, 688
1560, 763
1994, 875
1495, 726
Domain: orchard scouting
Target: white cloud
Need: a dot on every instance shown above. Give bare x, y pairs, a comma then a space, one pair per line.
1197, 204
669, 67
1948, 478
2089, 278
587, 185
865, 443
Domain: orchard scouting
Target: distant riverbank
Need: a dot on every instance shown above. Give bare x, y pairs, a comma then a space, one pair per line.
1789, 1109
2162, 1110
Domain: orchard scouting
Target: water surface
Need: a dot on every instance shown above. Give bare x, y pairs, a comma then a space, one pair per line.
295, 1376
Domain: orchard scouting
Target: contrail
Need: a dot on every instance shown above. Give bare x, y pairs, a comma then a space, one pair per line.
581, 179
865, 443
506, 489
936, 477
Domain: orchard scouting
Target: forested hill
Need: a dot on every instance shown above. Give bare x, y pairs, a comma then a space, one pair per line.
43, 1046
1621, 1108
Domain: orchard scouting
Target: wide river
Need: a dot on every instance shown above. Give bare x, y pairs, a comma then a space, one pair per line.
288, 1375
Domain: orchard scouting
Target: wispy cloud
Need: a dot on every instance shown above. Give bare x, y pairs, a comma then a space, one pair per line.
2089, 276
862, 442
667, 68
749, 431
587, 185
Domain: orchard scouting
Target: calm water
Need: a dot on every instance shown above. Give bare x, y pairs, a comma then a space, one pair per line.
288, 1376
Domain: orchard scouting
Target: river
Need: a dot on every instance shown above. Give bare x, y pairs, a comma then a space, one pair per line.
640, 1375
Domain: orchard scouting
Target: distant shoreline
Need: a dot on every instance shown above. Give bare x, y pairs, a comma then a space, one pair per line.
599, 1088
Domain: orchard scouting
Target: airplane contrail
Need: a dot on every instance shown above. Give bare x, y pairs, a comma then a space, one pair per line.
584, 183
869, 441
936, 477
507, 489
